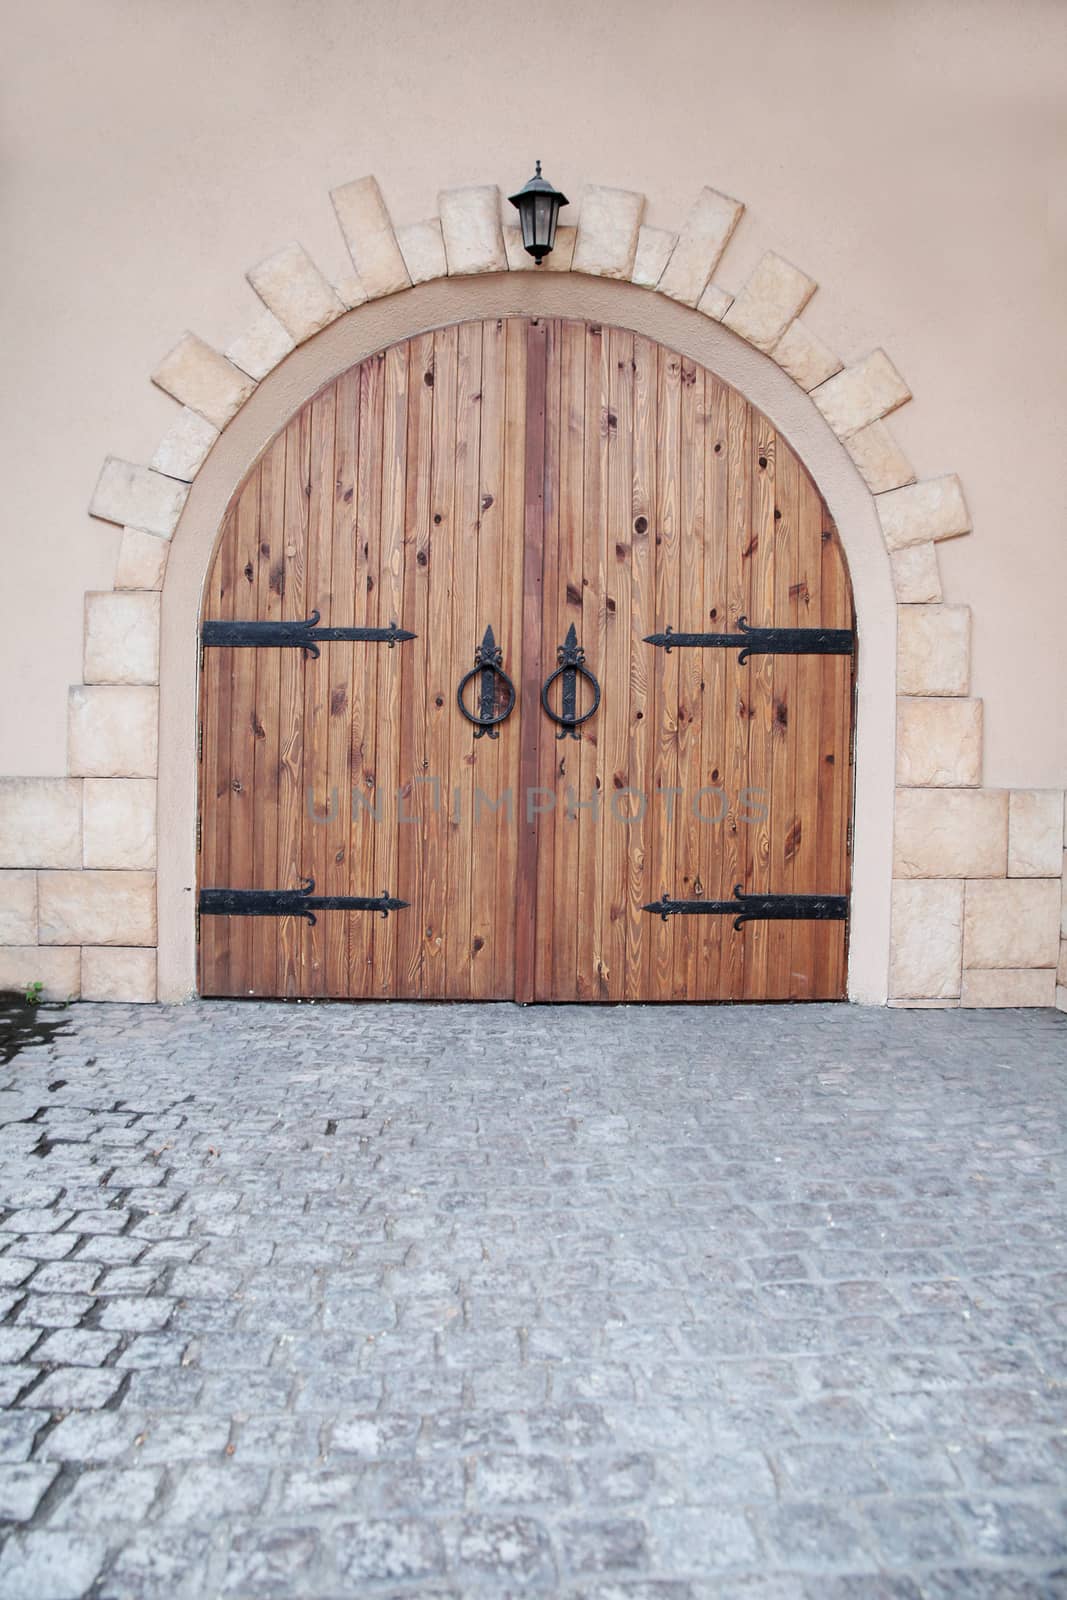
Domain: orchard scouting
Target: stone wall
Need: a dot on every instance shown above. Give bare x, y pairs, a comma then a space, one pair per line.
977, 917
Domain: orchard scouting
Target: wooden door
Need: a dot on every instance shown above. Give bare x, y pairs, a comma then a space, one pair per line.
524, 476
673, 504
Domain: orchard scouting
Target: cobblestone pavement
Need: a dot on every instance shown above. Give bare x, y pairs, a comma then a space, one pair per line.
645, 1304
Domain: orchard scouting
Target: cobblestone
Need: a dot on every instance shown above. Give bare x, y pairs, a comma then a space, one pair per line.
632, 1304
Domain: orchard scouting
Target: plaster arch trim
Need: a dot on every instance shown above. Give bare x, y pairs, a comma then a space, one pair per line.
917, 728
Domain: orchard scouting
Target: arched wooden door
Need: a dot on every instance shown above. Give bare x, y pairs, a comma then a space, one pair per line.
637, 786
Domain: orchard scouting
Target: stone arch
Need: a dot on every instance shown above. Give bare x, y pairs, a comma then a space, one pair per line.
919, 732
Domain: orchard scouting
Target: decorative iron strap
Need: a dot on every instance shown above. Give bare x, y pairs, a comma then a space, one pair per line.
570, 659
488, 661
757, 907
761, 641
302, 902
296, 635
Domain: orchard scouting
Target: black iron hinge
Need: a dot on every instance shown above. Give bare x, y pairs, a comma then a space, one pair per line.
757, 907
761, 641
299, 634
302, 902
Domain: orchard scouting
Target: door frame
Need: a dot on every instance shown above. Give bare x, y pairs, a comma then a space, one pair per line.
438, 303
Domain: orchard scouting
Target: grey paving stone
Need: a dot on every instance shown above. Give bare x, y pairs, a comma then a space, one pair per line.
103, 1495
21, 1489
158, 1564
618, 1304
53, 1310
17, 1342
202, 1494
49, 1566
18, 1430
76, 1389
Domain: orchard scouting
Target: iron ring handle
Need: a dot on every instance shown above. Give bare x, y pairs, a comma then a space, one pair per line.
500, 716
570, 666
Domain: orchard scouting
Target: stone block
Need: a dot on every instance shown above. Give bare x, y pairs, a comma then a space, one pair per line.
933, 650
1006, 986
183, 449
861, 394
57, 968
113, 731
471, 229
950, 833
115, 973
18, 907
142, 561
939, 743
1035, 833
292, 287
368, 232
926, 941
559, 260
774, 296
705, 234
40, 822
422, 246
916, 576
264, 343
933, 509
881, 462
807, 360
350, 290
137, 497
1061, 997
1013, 922
610, 220
97, 908
202, 379
121, 637
654, 246
119, 822
715, 302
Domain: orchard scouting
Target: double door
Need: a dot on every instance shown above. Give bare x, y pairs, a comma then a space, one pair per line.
526, 674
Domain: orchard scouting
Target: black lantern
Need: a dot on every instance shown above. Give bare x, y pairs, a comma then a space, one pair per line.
538, 206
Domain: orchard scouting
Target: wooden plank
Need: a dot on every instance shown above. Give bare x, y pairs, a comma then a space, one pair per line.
486, 822
241, 802
214, 778
641, 666
467, 630
835, 769
550, 822
736, 684
339, 660
665, 796
316, 808
366, 798
269, 574
564, 607
757, 935
511, 638
291, 979
717, 669
533, 523
620, 805
441, 658
589, 788
414, 794
687, 876
789, 727
388, 607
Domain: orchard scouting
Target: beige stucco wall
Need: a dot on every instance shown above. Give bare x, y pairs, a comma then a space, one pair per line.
909, 157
